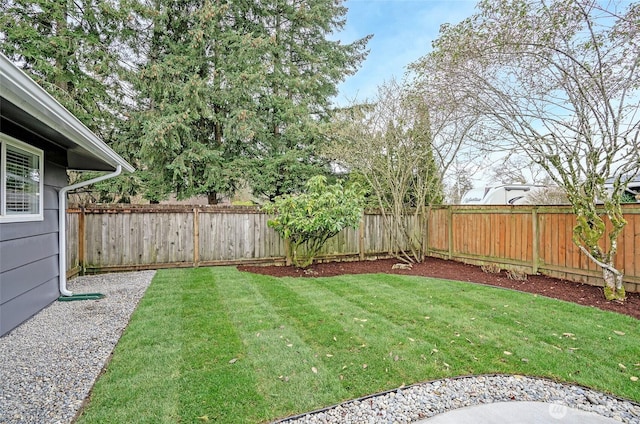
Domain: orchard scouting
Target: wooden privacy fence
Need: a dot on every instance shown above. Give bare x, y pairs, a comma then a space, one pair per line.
533, 239
126, 237
527, 238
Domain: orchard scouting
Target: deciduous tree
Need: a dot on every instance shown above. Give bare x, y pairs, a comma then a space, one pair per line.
390, 143
560, 78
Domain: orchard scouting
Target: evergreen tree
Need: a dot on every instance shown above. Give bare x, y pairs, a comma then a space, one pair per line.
218, 91
304, 69
236, 90
72, 50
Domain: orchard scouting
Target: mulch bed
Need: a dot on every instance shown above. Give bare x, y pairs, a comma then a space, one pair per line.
582, 294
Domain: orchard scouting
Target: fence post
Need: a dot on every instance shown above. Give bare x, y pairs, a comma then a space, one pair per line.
81, 241
450, 230
424, 227
536, 233
361, 239
196, 238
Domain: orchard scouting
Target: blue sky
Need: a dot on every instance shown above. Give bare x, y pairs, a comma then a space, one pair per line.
403, 31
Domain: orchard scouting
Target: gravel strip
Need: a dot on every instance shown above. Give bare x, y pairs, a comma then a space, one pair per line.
425, 400
50, 362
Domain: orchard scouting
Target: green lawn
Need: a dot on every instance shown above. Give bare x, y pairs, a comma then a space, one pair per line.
218, 345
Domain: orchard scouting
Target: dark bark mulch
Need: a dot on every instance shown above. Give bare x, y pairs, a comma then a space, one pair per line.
582, 294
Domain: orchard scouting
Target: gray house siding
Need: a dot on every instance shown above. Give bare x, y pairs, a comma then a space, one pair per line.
29, 251
29, 256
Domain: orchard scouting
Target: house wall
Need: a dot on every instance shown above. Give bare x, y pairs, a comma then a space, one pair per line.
29, 255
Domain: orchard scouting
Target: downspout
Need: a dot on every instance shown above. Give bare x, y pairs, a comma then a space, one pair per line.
62, 226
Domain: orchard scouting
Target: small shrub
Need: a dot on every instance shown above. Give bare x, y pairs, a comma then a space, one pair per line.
491, 269
512, 274
309, 219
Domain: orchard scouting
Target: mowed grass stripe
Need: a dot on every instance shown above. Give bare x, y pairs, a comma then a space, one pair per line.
285, 365
211, 387
540, 332
369, 351
142, 382
433, 343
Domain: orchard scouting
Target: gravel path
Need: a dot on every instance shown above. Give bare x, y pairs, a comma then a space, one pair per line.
50, 362
425, 400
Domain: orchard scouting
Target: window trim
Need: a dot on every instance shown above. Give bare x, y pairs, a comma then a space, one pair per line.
5, 141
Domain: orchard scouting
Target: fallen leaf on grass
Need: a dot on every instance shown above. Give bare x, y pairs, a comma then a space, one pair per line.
622, 366
446, 365
434, 351
289, 345
315, 370
361, 320
329, 355
634, 378
619, 333
364, 366
506, 352
410, 339
568, 334
233, 361
203, 418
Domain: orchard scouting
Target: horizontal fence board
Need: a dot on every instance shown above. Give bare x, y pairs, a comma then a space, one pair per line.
120, 237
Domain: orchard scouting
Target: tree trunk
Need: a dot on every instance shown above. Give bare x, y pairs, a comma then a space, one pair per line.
212, 198
613, 286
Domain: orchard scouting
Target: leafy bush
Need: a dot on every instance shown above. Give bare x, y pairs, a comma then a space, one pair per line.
309, 219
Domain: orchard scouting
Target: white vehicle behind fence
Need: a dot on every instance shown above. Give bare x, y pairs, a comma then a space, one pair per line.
509, 194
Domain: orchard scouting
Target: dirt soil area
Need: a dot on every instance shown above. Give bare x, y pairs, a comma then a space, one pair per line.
438, 268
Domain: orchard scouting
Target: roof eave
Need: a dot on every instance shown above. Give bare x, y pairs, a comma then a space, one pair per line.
20, 89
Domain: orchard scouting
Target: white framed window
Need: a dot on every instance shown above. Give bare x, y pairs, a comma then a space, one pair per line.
21, 181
